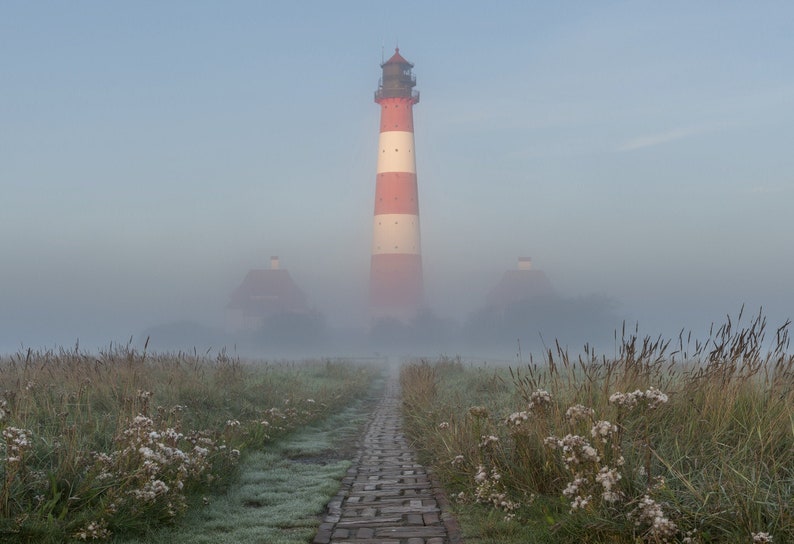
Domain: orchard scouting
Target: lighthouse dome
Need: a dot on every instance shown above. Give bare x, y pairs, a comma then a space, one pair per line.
397, 58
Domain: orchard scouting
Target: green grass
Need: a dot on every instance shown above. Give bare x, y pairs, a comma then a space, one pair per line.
280, 493
714, 458
121, 441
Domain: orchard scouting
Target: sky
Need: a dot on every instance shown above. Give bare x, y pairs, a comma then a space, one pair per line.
152, 152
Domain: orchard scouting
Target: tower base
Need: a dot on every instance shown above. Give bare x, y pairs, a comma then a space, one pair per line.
396, 285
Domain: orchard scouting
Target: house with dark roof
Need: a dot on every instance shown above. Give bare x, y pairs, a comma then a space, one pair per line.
518, 285
264, 293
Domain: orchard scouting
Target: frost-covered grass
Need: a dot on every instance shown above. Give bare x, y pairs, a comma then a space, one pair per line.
279, 494
652, 445
273, 500
93, 445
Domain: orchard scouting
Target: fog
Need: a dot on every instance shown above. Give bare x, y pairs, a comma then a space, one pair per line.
151, 157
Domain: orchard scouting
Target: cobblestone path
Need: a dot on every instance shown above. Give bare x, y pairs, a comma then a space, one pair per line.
387, 497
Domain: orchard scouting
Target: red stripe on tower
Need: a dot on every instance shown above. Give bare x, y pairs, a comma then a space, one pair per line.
396, 270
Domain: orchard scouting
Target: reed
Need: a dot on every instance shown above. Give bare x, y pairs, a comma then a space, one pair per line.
667, 441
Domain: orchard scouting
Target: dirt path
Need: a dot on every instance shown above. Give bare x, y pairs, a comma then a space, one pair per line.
387, 497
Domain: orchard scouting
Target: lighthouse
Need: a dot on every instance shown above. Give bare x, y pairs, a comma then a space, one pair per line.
396, 268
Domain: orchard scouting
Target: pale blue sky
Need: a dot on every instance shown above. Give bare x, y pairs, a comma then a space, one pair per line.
152, 152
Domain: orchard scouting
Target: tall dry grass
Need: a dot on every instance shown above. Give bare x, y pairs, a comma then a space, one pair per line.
114, 442
664, 442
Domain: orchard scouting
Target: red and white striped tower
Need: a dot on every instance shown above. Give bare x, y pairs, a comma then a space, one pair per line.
396, 269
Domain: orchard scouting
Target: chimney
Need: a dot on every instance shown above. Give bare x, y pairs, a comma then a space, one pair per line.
274, 265
524, 263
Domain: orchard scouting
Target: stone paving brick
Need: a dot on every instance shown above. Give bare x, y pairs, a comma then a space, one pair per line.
388, 496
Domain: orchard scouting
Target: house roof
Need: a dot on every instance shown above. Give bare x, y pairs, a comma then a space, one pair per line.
517, 285
265, 292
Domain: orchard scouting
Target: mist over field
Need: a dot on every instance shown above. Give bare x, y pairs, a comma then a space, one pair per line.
151, 156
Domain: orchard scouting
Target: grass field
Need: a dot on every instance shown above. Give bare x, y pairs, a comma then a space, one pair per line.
663, 442
115, 443
279, 492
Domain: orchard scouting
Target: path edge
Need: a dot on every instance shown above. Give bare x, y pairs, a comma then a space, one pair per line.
333, 510
454, 534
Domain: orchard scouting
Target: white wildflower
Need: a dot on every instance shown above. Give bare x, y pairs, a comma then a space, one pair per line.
142, 421
655, 398
649, 512
539, 398
608, 478
652, 396
580, 502
488, 440
572, 489
150, 491
18, 441
96, 530
603, 430
626, 400
552, 442
481, 475
578, 412
590, 454
576, 450
516, 418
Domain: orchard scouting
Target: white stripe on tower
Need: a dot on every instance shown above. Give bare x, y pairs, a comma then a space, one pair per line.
396, 269
396, 152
